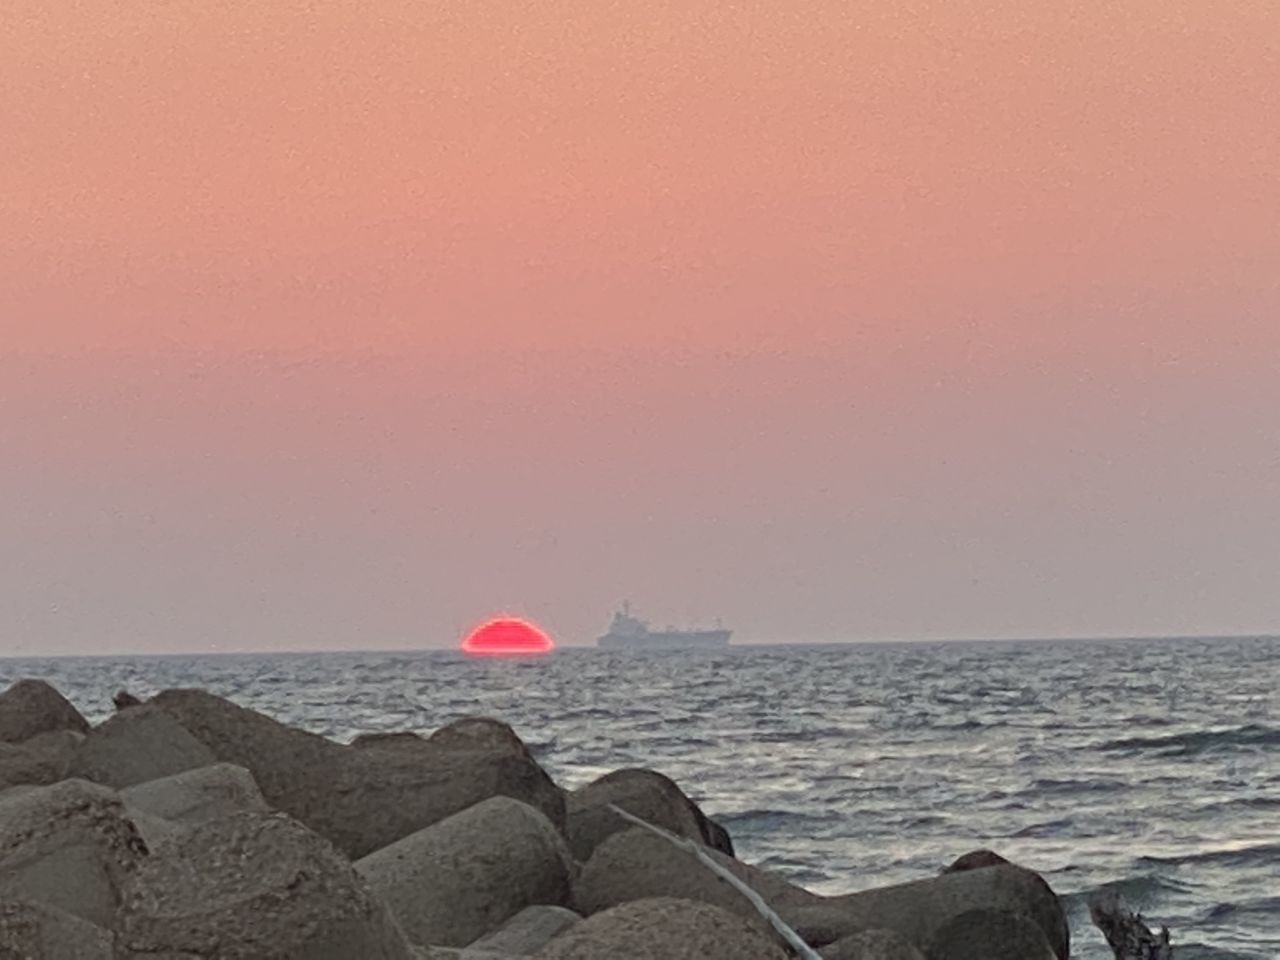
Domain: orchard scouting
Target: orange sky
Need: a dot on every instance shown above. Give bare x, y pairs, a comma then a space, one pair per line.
764, 287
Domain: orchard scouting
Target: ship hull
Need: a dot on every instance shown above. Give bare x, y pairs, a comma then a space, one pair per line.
667, 640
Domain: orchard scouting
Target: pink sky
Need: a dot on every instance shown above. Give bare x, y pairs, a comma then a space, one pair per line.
351, 324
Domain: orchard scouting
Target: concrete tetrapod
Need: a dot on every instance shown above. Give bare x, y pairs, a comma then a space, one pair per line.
71, 846
528, 931
773, 921
137, 745
250, 886
469, 734
360, 799
665, 928
974, 860
39, 761
459, 879
989, 935
480, 733
631, 865
36, 931
197, 796
872, 945
919, 908
32, 707
654, 798
635, 864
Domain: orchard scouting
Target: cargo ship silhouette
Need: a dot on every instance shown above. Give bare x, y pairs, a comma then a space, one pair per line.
628, 632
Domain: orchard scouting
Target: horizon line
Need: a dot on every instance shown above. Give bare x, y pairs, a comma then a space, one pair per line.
759, 645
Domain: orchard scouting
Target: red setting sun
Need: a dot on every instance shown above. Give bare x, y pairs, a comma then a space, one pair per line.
505, 637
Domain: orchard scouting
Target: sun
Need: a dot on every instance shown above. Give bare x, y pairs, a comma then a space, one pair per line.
506, 637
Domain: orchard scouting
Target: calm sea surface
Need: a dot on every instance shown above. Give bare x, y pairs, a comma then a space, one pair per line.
1149, 765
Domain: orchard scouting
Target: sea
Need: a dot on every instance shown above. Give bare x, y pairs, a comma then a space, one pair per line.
1151, 766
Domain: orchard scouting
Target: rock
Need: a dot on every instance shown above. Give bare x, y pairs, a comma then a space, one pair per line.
70, 846
40, 761
35, 931
664, 928
718, 837
360, 799
480, 733
398, 740
528, 931
872, 945
458, 879
248, 887
644, 793
636, 864
1126, 934
989, 935
975, 859
162, 808
32, 707
198, 796
284, 761
371, 799
124, 699
153, 830
136, 745
920, 908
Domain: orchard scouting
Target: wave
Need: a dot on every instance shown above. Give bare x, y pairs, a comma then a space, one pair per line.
1262, 907
1050, 785
1263, 853
970, 724
543, 749
1050, 828
1202, 951
1251, 803
799, 872
805, 735
1198, 742
767, 817
916, 821
1139, 892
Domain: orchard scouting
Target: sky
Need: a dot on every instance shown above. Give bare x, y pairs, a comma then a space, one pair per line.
346, 325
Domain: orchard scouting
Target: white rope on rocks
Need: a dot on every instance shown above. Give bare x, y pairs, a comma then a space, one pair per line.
801, 949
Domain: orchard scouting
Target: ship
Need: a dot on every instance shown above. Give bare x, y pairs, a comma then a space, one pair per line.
628, 632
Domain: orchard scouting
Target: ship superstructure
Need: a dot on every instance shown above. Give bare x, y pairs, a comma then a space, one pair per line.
630, 632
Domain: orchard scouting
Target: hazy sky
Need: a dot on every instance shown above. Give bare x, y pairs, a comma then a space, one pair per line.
346, 324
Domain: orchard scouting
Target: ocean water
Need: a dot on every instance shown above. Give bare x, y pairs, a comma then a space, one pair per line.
1147, 765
